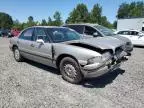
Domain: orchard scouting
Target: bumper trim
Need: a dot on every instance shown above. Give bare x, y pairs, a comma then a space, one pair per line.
98, 72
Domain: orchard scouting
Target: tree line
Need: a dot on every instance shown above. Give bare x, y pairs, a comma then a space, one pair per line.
80, 14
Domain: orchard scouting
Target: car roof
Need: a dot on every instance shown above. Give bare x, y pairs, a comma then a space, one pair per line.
88, 24
46, 27
42, 27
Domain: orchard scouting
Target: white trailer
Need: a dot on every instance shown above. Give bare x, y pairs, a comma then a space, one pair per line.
130, 24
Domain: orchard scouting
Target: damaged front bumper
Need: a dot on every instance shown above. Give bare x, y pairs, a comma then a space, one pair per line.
95, 70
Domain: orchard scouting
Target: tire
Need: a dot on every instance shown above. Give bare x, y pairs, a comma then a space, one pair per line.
70, 70
17, 55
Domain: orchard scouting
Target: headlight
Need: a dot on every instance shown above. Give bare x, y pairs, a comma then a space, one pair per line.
96, 59
107, 56
99, 59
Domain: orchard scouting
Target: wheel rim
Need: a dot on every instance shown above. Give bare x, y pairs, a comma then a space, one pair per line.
70, 70
17, 54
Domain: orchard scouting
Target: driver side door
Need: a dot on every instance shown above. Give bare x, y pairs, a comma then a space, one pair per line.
89, 32
43, 51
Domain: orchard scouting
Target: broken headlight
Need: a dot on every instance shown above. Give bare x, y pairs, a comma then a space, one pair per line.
99, 59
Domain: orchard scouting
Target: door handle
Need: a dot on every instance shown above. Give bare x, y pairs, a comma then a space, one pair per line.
32, 45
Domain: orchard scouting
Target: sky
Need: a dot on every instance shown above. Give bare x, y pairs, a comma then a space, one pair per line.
42, 9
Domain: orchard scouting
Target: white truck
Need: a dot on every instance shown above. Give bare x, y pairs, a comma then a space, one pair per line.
130, 24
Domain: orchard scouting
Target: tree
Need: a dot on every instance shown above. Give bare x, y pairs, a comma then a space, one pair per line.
105, 22
30, 19
5, 21
57, 19
115, 24
30, 22
79, 14
50, 21
17, 25
96, 14
134, 9
44, 23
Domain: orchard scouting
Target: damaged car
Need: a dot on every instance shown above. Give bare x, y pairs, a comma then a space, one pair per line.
88, 30
66, 50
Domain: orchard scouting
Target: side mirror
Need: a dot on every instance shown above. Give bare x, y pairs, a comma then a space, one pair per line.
95, 34
40, 41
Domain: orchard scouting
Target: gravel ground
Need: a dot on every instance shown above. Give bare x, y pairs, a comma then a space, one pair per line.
32, 85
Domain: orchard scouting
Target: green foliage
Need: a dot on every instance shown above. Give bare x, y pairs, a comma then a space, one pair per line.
96, 14
134, 9
57, 19
17, 25
105, 22
79, 14
50, 22
44, 23
30, 22
5, 21
115, 24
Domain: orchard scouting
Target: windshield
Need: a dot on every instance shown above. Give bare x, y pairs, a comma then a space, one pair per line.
62, 34
104, 30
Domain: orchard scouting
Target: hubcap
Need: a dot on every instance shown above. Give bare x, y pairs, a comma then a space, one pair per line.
70, 70
17, 54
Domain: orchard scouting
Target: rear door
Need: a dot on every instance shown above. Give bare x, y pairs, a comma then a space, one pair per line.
137, 38
25, 43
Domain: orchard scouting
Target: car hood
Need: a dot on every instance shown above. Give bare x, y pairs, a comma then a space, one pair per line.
100, 42
122, 38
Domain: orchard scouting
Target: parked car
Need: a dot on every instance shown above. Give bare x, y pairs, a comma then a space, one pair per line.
4, 32
63, 48
135, 36
14, 32
95, 30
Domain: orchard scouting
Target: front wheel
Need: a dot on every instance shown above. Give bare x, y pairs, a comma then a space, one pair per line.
70, 70
17, 55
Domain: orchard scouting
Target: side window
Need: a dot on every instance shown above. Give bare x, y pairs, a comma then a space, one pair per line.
27, 34
40, 34
90, 30
78, 28
121, 32
124, 33
133, 33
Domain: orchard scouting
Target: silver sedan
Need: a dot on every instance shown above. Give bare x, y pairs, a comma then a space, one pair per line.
63, 48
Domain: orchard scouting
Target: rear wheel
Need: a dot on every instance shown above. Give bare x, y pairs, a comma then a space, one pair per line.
17, 55
70, 70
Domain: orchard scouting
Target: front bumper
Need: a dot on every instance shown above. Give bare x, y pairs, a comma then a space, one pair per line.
95, 70
129, 50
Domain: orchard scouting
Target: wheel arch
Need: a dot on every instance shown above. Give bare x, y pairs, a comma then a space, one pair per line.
60, 57
14, 46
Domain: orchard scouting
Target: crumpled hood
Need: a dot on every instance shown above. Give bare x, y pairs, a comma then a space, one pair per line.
101, 42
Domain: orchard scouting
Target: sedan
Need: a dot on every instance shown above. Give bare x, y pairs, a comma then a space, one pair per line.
64, 49
135, 36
